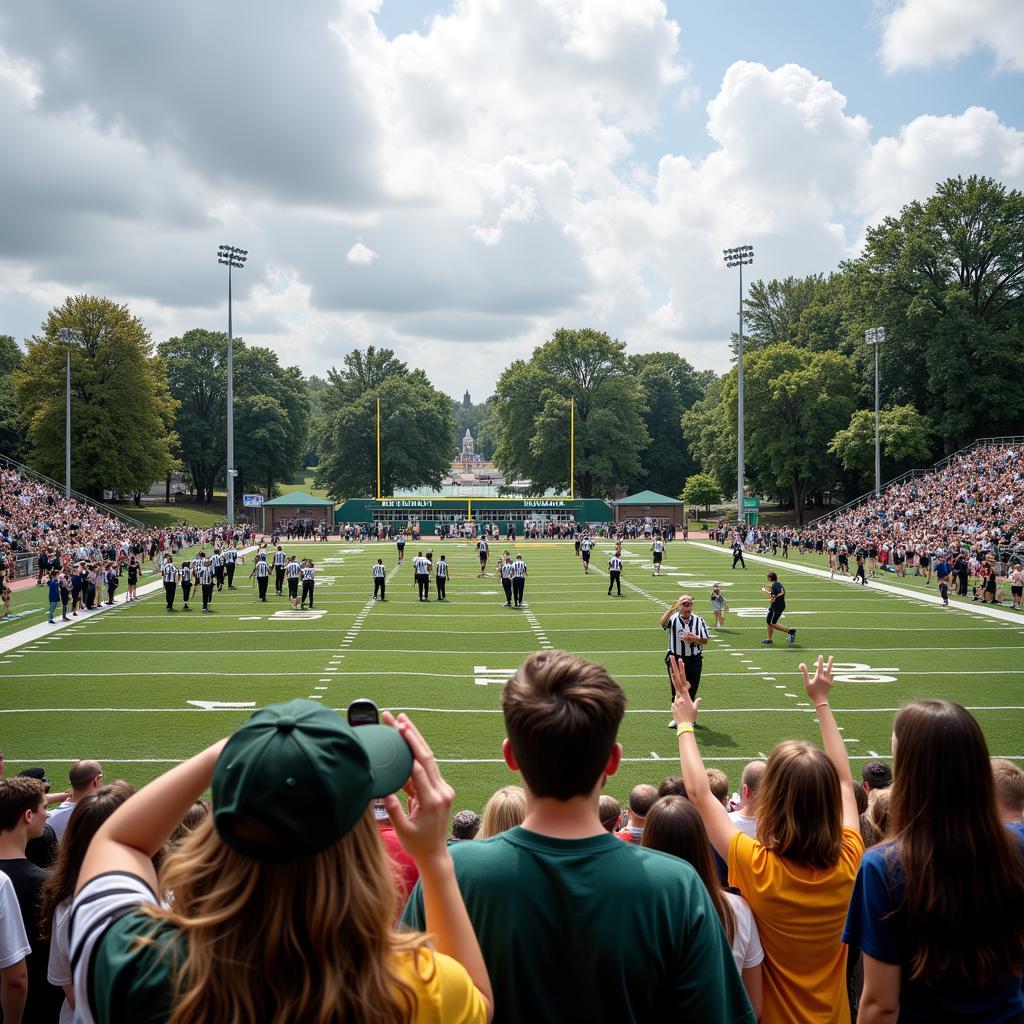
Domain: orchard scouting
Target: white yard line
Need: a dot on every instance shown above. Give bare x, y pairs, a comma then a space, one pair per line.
884, 588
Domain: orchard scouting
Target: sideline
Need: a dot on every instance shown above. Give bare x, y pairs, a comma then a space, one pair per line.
933, 599
43, 629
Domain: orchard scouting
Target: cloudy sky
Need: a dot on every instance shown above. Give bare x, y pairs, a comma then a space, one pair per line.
455, 180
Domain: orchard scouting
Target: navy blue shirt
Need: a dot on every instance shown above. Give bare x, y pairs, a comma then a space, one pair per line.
876, 925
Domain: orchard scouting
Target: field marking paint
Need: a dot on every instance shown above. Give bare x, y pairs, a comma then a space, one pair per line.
484, 676
884, 588
220, 705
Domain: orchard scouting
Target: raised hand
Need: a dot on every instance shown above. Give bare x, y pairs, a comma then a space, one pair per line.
684, 710
818, 687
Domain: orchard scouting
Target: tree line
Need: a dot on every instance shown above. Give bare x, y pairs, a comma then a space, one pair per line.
945, 278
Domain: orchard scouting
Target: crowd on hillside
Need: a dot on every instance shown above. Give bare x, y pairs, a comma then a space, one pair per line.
309, 891
36, 519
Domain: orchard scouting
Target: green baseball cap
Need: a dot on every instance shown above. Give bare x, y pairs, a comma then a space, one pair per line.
296, 777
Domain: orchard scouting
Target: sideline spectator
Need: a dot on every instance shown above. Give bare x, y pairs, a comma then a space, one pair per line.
1009, 783
22, 817
283, 901
745, 816
938, 913
674, 826
797, 875
574, 924
90, 811
879, 814
718, 782
42, 849
610, 811
876, 775
14, 953
672, 786
504, 809
641, 800
465, 825
84, 776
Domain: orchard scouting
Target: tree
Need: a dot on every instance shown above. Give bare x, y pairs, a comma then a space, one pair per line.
416, 427
473, 417
670, 385
532, 415
794, 402
710, 430
904, 439
271, 411
121, 409
701, 489
946, 279
13, 442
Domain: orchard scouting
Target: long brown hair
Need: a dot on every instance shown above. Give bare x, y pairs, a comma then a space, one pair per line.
963, 871
799, 805
89, 813
674, 826
305, 940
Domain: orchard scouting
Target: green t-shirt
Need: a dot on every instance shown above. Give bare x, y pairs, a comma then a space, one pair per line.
594, 930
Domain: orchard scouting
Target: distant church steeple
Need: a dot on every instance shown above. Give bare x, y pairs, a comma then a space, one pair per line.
466, 400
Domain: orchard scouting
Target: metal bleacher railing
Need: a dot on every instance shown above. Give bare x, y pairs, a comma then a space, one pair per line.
109, 510
981, 442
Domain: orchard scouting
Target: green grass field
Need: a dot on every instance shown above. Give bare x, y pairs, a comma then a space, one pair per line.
117, 686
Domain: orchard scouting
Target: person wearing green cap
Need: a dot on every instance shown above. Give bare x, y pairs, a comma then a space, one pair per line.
280, 906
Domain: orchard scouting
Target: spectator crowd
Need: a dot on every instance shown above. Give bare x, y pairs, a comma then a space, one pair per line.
310, 892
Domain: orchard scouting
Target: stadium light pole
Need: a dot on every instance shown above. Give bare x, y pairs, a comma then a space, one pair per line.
739, 256
231, 257
68, 336
875, 336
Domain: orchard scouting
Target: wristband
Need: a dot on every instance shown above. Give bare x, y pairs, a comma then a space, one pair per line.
823, 704
684, 727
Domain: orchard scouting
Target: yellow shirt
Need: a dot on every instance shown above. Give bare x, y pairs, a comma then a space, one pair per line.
444, 992
800, 913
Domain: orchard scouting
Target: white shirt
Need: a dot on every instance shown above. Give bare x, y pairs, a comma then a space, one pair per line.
58, 970
748, 826
58, 817
746, 942
14, 945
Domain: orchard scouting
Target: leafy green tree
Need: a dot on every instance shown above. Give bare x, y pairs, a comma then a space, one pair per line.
946, 280
13, 442
701, 489
532, 412
808, 312
122, 412
794, 403
710, 431
271, 411
904, 437
416, 427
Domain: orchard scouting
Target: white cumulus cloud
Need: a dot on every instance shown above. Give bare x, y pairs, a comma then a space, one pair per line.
361, 255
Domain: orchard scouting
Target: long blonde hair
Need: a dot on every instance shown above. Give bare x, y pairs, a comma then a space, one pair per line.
505, 809
307, 940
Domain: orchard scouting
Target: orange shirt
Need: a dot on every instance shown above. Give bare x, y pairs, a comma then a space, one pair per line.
800, 913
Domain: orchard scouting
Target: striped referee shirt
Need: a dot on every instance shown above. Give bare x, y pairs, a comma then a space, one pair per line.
230, 555
170, 572
507, 570
308, 572
280, 557
518, 568
615, 564
206, 573
292, 569
379, 572
658, 547
262, 568
442, 570
421, 566
216, 559
678, 627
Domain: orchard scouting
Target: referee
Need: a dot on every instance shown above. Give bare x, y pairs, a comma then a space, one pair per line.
687, 635
441, 577
170, 573
308, 581
206, 579
380, 580
518, 580
280, 560
421, 570
217, 560
292, 571
615, 574
261, 570
507, 572
230, 557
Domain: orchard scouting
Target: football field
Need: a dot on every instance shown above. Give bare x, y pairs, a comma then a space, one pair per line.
139, 688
